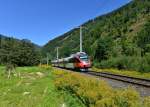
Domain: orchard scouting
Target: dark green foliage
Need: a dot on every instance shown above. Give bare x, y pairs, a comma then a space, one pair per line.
120, 39
127, 62
102, 49
143, 39
18, 52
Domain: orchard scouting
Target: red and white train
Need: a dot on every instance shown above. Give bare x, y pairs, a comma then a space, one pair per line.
80, 61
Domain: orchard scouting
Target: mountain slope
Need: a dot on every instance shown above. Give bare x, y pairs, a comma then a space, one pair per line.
119, 35
19, 52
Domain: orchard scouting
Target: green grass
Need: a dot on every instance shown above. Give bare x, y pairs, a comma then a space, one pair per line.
38, 87
34, 88
97, 93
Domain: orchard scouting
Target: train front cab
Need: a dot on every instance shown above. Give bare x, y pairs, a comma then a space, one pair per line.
83, 64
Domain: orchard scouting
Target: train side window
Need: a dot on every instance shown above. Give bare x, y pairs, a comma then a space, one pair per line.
71, 60
77, 60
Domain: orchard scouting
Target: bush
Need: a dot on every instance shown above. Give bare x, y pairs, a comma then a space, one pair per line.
94, 93
147, 102
141, 64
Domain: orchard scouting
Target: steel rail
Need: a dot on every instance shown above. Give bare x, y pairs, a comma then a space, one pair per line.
123, 78
128, 79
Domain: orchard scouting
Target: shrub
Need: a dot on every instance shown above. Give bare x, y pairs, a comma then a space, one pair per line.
141, 64
95, 93
147, 102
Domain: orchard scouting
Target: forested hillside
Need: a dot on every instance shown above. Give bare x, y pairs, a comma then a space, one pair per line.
18, 52
120, 39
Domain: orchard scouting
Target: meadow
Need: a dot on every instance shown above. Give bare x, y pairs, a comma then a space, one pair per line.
34, 88
48, 87
96, 93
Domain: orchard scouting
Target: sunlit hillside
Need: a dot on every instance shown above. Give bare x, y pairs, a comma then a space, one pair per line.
119, 39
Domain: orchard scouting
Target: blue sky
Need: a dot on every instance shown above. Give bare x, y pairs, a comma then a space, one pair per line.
43, 20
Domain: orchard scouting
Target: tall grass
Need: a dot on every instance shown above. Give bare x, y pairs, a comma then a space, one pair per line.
35, 88
94, 93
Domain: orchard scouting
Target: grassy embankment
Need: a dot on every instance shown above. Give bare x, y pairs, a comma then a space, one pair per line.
125, 72
47, 87
95, 93
34, 88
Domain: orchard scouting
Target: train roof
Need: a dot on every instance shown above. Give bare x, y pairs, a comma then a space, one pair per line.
70, 57
79, 53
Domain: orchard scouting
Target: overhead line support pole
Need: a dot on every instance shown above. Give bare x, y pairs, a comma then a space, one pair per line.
47, 59
57, 54
81, 39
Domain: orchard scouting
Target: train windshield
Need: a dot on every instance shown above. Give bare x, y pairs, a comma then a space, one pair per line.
84, 57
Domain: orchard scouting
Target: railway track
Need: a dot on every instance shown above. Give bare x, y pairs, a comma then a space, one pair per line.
120, 81
127, 79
